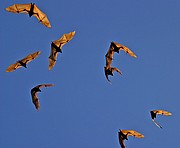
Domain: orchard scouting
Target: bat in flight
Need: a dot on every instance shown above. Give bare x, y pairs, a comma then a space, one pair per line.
32, 10
123, 135
109, 71
56, 47
34, 95
160, 112
23, 62
118, 47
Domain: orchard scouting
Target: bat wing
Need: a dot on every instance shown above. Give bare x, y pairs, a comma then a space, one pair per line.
19, 8
162, 112
121, 142
52, 58
109, 56
30, 57
132, 133
116, 69
106, 74
126, 49
158, 125
45, 85
13, 67
35, 99
64, 39
41, 16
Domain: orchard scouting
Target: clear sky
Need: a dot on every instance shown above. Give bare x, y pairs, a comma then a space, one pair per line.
83, 110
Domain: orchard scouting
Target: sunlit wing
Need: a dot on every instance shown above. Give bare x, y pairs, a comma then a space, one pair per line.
30, 57
52, 58
125, 49
116, 69
132, 133
45, 85
64, 39
162, 112
19, 8
13, 67
41, 16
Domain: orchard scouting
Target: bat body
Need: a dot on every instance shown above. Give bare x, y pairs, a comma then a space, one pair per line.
123, 135
154, 113
56, 47
32, 10
34, 95
109, 71
23, 62
118, 47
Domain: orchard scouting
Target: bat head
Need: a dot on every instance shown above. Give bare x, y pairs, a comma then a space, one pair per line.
122, 135
58, 49
22, 64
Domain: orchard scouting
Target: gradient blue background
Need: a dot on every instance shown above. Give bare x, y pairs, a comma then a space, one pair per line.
83, 110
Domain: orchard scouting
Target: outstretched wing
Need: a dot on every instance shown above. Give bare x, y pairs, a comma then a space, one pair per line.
64, 39
158, 125
30, 57
162, 112
52, 58
35, 99
125, 49
45, 85
116, 69
121, 142
19, 8
13, 67
132, 133
41, 16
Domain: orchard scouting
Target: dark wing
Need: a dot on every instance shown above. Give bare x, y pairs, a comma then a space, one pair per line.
52, 57
132, 133
30, 57
121, 140
41, 16
19, 8
64, 39
116, 69
126, 49
13, 67
35, 99
158, 125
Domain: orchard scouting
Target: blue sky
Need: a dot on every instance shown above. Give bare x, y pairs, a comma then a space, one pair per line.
83, 110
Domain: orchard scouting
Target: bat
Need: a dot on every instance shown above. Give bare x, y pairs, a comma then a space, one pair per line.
23, 62
56, 47
34, 95
109, 71
160, 112
118, 47
32, 10
123, 135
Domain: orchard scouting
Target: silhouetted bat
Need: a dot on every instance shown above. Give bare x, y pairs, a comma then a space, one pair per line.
34, 91
118, 47
31, 9
109, 71
123, 135
23, 62
160, 112
56, 46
